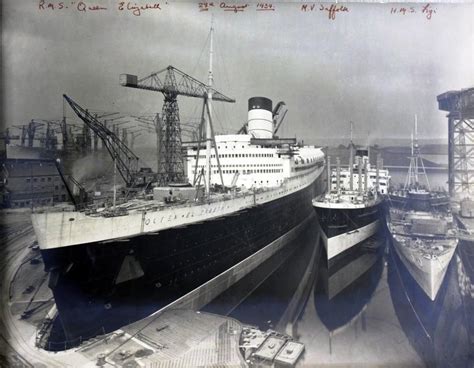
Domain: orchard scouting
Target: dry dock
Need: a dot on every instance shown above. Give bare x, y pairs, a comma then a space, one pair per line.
374, 338
177, 338
184, 338
173, 338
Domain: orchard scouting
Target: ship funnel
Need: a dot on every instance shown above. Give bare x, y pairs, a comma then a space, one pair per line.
260, 118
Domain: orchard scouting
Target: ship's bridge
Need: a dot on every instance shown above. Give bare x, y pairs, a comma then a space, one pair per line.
307, 158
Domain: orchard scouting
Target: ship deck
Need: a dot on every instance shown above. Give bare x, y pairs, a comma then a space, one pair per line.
126, 206
424, 244
344, 201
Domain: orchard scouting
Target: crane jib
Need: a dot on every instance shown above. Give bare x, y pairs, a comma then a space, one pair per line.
126, 160
174, 81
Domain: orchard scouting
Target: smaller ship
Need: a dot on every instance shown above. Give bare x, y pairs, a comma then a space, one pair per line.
348, 306
421, 226
349, 213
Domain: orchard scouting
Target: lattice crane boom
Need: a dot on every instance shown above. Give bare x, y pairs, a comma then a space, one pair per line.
125, 159
172, 83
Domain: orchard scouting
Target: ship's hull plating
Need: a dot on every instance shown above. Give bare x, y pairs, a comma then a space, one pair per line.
98, 286
363, 256
351, 243
427, 272
338, 306
343, 228
438, 330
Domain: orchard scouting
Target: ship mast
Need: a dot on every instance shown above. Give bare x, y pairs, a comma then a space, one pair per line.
417, 166
351, 162
208, 116
368, 146
416, 150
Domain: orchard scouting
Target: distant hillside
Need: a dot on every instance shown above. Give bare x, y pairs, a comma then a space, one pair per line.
384, 142
392, 156
429, 149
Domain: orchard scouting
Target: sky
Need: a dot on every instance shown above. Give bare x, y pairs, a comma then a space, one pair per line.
371, 65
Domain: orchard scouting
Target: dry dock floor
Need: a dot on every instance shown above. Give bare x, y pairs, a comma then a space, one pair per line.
177, 338
373, 339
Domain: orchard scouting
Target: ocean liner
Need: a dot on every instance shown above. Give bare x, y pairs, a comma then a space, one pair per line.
182, 247
422, 228
348, 217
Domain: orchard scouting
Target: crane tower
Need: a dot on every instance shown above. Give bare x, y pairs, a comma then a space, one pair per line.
172, 83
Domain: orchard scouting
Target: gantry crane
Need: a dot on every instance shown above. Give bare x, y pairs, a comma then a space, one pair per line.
125, 160
460, 107
49, 138
7, 136
134, 133
172, 83
31, 130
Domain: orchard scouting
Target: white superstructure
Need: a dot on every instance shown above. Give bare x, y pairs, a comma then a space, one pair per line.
256, 159
378, 179
247, 163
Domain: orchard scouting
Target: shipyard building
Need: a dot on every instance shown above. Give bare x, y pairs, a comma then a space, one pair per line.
29, 180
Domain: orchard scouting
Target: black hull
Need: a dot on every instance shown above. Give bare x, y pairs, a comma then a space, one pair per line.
264, 297
166, 265
337, 221
464, 259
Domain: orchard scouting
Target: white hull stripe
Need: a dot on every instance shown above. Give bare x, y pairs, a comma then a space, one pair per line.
340, 243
